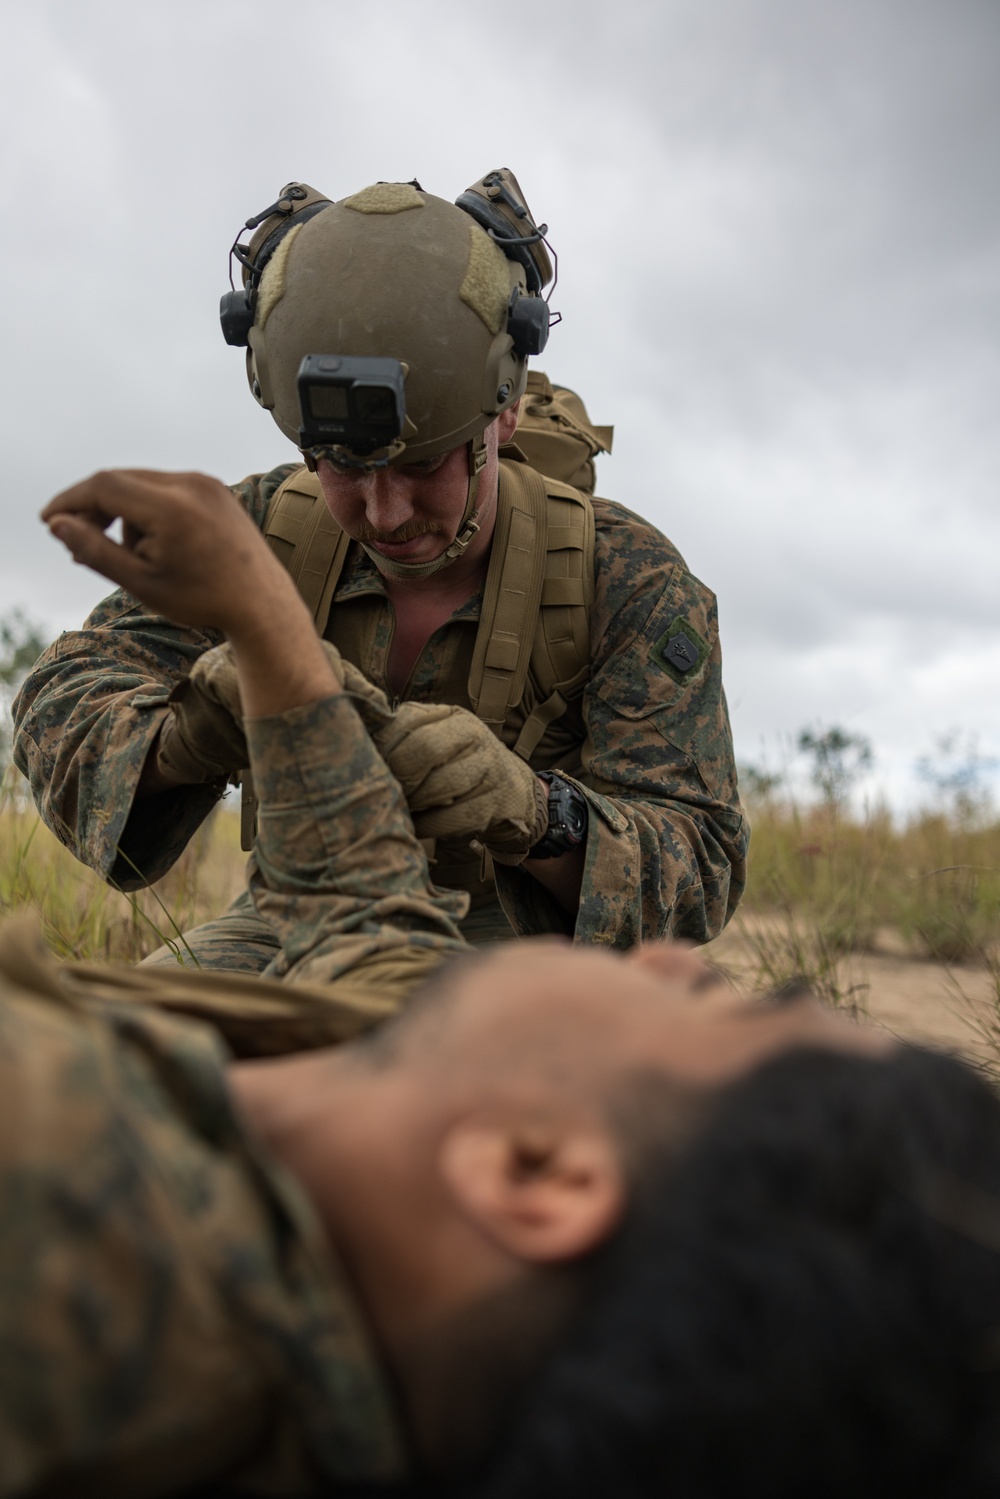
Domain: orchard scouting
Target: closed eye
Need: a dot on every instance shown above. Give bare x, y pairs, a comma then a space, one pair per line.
421, 468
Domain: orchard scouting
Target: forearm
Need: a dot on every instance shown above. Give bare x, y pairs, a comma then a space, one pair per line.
661, 870
338, 871
88, 721
561, 877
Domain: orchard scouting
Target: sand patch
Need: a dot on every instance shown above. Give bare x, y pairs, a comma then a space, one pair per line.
913, 999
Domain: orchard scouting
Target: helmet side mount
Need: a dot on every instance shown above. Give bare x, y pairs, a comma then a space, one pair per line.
296, 203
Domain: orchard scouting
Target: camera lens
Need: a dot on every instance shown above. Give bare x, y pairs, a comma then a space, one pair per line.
375, 403
328, 402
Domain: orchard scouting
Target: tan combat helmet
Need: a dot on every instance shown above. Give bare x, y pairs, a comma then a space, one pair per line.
392, 326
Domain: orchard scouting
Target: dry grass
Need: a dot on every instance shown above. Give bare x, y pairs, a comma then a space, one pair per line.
83, 918
934, 883
820, 887
831, 898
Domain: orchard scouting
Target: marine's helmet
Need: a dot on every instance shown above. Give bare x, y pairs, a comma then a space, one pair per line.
418, 314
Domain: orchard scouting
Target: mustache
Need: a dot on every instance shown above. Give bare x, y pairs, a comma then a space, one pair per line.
408, 532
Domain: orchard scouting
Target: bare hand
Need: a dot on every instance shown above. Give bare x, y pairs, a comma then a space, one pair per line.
189, 551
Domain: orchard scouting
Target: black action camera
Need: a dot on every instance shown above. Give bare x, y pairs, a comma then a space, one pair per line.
350, 402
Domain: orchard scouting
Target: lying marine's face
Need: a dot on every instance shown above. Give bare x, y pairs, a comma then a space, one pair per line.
582, 1019
539, 1076
517, 1110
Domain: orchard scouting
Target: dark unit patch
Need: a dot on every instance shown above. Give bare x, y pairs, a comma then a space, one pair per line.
680, 650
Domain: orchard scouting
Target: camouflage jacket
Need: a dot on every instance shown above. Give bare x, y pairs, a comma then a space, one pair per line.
650, 744
171, 1312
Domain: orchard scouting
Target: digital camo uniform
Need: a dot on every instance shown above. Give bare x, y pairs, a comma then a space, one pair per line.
648, 741
170, 1310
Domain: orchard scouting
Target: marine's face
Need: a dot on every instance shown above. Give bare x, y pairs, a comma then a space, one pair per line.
412, 512
408, 512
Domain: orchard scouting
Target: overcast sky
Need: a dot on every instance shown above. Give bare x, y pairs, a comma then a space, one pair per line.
778, 226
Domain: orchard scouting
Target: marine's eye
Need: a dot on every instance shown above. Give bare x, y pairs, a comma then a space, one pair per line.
422, 466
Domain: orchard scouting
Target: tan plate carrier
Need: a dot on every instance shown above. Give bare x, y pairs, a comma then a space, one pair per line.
539, 589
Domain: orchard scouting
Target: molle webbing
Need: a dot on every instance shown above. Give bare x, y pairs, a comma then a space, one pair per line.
536, 604
512, 596
306, 540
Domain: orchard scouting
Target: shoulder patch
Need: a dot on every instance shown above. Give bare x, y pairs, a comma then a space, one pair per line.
680, 651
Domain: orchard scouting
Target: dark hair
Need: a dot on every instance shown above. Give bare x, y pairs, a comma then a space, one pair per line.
791, 1308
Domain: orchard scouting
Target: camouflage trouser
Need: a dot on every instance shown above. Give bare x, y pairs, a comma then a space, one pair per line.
241, 941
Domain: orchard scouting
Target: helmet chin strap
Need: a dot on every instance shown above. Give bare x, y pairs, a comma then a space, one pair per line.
468, 527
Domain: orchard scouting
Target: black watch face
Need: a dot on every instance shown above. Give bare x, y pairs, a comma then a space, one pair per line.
576, 818
567, 815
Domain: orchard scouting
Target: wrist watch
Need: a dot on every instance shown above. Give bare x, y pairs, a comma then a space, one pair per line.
568, 816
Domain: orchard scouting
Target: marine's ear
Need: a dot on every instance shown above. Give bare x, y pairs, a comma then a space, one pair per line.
507, 422
544, 1192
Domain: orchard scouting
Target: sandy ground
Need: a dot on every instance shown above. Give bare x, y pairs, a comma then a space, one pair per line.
914, 999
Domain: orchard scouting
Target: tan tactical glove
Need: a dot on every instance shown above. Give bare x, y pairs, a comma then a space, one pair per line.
458, 778
461, 781
202, 738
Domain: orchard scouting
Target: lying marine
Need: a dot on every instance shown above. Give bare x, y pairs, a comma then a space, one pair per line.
444, 566
533, 1221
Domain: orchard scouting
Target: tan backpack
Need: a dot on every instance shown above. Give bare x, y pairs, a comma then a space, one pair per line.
557, 436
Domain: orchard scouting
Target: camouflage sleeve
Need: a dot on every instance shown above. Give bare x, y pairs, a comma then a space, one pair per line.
667, 843
87, 716
337, 869
344, 883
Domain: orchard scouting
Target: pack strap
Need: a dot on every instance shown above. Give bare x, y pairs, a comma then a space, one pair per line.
546, 713
305, 537
536, 602
248, 810
512, 596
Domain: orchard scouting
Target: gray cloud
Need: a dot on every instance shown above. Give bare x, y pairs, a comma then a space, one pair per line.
778, 224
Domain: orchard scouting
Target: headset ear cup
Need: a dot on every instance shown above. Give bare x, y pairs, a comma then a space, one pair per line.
498, 206
528, 324
236, 317
296, 204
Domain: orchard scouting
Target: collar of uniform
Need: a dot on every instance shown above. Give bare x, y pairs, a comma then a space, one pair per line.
360, 576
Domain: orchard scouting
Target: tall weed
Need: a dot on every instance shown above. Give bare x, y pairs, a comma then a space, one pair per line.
825, 885
82, 917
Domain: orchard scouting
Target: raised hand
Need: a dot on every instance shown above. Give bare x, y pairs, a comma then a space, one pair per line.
191, 552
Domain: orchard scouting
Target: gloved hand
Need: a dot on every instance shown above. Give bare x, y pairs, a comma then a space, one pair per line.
202, 738
458, 778
461, 781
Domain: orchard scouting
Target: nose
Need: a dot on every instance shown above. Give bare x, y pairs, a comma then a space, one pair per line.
389, 501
